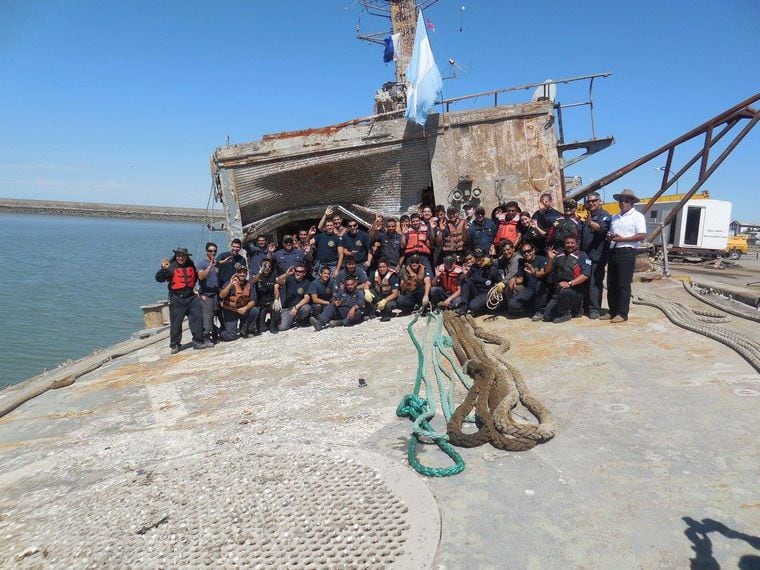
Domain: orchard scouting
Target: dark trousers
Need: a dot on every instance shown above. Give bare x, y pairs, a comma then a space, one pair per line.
563, 302
438, 295
407, 301
528, 299
619, 276
231, 320
475, 301
274, 318
595, 286
331, 312
179, 307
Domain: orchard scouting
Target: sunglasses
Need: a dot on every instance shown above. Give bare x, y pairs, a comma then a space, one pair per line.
527, 251
210, 251
595, 200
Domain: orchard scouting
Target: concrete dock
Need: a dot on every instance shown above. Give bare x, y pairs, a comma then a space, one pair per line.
267, 452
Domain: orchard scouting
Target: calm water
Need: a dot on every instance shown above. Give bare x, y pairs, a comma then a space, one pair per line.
73, 285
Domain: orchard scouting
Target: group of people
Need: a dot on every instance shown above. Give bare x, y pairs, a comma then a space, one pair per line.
549, 265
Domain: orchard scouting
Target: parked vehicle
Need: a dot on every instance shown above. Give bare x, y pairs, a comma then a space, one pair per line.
736, 246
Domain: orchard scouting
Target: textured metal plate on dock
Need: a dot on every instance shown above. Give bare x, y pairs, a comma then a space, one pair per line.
250, 510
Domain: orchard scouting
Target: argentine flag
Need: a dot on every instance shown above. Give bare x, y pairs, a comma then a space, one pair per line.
423, 80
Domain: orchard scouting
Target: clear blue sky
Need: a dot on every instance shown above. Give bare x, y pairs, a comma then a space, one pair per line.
124, 101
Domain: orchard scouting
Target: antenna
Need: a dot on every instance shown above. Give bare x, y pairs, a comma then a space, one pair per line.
452, 71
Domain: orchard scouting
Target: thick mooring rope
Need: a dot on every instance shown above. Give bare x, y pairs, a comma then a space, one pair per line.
704, 323
497, 389
725, 305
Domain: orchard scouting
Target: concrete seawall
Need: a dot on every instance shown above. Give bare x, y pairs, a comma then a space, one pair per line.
51, 207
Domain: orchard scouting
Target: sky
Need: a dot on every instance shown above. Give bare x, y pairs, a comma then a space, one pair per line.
124, 102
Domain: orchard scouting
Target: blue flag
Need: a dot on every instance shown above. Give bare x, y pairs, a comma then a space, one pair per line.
388, 53
423, 80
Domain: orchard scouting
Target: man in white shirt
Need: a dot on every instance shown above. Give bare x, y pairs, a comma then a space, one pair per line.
627, 229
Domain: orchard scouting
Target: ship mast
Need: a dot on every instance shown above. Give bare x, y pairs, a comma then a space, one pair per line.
403, 17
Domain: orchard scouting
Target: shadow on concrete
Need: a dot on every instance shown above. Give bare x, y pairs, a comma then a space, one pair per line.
698, 533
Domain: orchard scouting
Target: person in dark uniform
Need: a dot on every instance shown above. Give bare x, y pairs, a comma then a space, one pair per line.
238, 305
346, 307
327, 251
416, 282
288, 256
208, 290
385, 288
482, 231
181, 277
568, 272
321, 291
258, 252
529, 233
294, 298
264, 281
564, 226
390, 241
352, 269
356, 244
594, 242
477, 282
545, 215
226, 261
530, 291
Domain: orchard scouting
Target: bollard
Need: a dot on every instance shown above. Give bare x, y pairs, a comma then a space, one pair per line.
153, 315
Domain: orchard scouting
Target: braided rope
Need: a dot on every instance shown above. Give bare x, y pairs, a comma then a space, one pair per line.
497, 388
696, 321
725, 305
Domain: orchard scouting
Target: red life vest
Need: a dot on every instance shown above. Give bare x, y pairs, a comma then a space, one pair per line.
449, 280
507, 229
183, 277
417, 241
238, 297
454, 237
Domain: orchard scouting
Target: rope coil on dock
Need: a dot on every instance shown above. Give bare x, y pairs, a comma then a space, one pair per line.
493, 392
703, 322
726, 305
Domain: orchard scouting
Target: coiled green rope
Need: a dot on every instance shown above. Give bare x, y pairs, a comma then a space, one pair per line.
421, 410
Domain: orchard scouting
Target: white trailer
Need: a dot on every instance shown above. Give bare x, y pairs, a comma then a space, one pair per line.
700, 229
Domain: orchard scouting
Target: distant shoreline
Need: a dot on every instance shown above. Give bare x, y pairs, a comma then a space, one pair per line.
93, 209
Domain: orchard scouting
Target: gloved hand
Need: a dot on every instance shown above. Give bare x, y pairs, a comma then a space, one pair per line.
500, 287
425, 300
277, 306
381, 305
368, 296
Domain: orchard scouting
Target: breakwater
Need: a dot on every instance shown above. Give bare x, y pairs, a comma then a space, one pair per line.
92, 209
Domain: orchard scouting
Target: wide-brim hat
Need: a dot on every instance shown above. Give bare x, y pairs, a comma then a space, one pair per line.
182, 251
626, 194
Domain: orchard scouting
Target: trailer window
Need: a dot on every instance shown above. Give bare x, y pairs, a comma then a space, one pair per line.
693, 218
653, 214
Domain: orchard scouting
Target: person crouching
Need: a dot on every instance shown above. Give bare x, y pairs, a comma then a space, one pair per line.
345, 309
238, 305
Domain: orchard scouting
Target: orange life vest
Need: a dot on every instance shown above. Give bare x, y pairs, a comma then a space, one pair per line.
417, 241
238, 297
454, 241
449, 280
507, 229
183, 277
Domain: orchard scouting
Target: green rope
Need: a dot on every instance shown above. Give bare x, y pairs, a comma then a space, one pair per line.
421, 411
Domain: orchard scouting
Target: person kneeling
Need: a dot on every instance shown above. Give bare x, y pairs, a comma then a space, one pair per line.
345, 309
568, 272
238, 305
